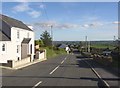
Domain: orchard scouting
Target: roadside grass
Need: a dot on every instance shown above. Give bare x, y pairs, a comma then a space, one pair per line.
53, 52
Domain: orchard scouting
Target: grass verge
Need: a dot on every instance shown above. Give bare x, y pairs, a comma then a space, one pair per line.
53, 52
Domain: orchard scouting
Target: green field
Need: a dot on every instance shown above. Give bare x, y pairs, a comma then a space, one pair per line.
103, 46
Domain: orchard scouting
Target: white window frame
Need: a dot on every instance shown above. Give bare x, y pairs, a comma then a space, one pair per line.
18, 34
28, 35
4, 48
17, 48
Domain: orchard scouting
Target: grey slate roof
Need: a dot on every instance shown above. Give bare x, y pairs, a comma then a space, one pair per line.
26, 40
3, 36
13, 22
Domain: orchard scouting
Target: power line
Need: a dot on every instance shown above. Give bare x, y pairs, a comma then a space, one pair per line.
45, 10
51, 26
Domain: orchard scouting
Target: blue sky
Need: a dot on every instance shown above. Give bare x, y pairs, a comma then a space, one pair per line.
70, 20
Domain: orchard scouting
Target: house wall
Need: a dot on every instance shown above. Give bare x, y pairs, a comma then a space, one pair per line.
118, 33
11, 46
6, 55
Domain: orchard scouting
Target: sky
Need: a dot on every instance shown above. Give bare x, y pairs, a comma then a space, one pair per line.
71, 21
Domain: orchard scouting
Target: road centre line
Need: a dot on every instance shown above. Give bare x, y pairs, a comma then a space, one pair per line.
57, 66
54, 69
37, 84
62, 62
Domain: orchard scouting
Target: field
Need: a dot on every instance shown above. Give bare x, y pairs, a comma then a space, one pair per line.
102, 46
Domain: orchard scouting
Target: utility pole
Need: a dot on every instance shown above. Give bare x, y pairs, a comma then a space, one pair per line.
114, 38
52, 36
89, 46
86, 46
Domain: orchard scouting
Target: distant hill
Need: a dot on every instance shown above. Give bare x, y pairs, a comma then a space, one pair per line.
77, 42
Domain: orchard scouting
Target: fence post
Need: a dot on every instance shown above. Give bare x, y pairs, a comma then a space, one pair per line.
45, 53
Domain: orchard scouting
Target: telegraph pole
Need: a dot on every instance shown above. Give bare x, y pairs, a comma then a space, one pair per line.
114, 38
52, 36
86, 43
89, 46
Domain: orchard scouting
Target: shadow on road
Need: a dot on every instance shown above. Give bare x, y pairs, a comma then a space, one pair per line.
83, 78
96, 79
99, 83
81, 62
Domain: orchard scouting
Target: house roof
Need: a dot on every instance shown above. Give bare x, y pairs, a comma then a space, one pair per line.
3, 36
26, 40
62, 46
14, 23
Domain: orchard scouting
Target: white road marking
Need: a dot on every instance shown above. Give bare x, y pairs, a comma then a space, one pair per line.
98, 74
62, 62
37, 84
54, 69
65, 58
57, 66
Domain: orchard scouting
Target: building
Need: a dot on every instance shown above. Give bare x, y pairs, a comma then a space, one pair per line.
16, 40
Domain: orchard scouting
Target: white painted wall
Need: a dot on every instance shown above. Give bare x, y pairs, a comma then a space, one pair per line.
118, 33
11, 46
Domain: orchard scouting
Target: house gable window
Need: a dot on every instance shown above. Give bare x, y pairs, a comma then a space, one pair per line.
28, 35
3, 47
18, 34
17, 48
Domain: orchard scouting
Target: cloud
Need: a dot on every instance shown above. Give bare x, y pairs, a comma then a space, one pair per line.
56, 25
74, 26
34, 14
116, 22
46, 25
85, 26
42, 6
25, 7
22, 7
93, 25
21, 0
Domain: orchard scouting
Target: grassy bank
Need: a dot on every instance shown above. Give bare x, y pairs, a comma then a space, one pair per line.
53, 52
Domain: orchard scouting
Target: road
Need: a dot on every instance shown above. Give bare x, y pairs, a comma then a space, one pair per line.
64, 70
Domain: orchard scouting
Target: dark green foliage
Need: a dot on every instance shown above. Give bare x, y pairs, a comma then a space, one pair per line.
39, 42
46, 38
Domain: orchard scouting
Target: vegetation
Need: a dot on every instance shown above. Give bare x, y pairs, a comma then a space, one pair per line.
103, 46
45, 42
53, 52
39, 42
46, 39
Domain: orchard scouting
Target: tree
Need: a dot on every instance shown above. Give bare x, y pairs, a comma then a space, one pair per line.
46, 39
39, 42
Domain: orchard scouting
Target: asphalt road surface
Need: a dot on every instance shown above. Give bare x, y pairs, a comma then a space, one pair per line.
64, 70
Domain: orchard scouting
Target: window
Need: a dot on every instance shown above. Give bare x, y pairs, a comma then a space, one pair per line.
27, 35
18, 34
17, 48
18, 58
31, 48
3, 47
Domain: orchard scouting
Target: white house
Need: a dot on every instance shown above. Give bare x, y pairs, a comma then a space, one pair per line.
16, 40
119, 37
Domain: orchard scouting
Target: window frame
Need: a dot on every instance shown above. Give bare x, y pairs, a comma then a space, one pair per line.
18, 34
17, 48
3, 48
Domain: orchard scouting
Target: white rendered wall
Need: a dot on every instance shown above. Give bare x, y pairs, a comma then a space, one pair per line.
11, 46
